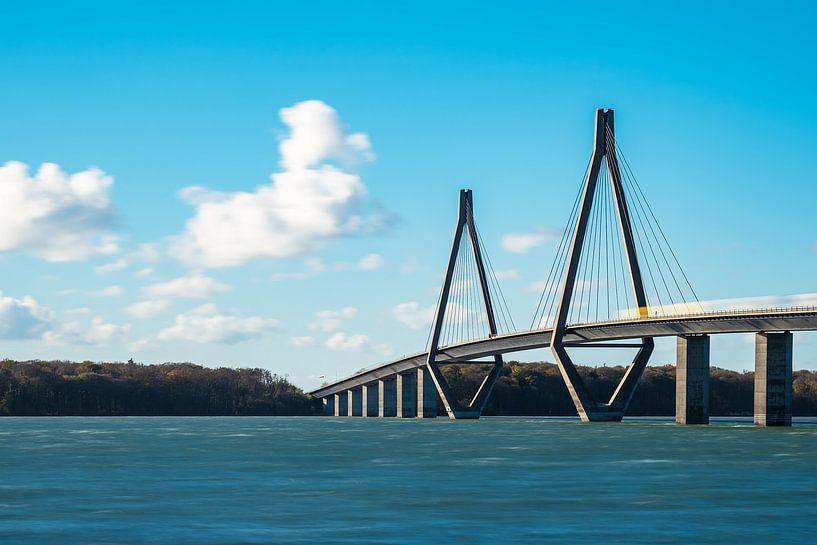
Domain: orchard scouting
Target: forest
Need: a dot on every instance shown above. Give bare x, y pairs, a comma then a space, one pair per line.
61, 388
537, 389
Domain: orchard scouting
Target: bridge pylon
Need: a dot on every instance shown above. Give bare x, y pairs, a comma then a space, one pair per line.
465, 227
589, 409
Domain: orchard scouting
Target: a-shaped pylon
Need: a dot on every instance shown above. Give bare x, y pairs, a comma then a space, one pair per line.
588, 408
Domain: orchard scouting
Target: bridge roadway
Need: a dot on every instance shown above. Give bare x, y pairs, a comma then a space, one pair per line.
745, 321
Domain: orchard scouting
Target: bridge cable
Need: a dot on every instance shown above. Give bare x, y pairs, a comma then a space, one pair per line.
508, 320
643, 209
607, 249
643, 205
537, 320
657, 223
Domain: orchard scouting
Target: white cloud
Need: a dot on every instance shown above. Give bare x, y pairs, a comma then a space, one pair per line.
117, 265
98, 332
303, 341
147, 309
110, 291
143, 273
26, 319
413, 315
521, 243
341, 342
206, 325
193, 286
56, 216
308, 203
145, 253
331, 320
23, 318
138, 345
370, 262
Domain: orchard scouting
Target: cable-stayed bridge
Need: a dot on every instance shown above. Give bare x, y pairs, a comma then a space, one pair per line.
615, 283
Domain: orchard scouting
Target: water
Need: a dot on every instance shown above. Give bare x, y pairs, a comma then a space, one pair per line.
324, 480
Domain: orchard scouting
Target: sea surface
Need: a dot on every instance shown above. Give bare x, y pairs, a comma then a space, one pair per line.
339, 480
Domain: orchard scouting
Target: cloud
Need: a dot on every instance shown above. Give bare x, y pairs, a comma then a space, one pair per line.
138, 345
23, 318
117, 265
193, 286
205, 324
56, 216
341, 342
143, 273
413, 315
144, 253
313, 200
147, 309
110, 291
331, 320
370, 262
97, 333
521, 243
303, 341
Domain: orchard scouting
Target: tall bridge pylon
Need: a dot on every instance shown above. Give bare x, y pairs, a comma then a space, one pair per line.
604, 149
463, 269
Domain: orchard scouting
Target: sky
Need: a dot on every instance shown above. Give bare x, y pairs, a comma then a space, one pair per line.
275, 184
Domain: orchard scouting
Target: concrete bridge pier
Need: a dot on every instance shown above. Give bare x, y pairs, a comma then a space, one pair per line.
386, 397
355, 402
427, 398
773, 377
692, 380
369, 399
341, 404
406, 395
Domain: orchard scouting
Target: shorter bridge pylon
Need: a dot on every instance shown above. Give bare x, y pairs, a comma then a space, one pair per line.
457, 274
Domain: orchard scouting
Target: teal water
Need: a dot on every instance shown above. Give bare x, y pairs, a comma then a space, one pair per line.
326, 480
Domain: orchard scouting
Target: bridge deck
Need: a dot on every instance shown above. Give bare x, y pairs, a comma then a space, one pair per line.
802, 319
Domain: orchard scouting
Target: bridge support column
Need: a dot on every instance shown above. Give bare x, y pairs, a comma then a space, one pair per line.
341, 404
426, 394
386, 397
369, 399
692, 380
773, 376
406, 395
355, 402
329, 406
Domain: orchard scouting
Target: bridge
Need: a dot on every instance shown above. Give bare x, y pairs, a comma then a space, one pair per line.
615, 283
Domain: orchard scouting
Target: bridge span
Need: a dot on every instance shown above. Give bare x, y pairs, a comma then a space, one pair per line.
580, 306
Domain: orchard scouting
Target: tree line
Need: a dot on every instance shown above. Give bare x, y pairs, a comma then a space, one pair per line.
537, 389
62, 388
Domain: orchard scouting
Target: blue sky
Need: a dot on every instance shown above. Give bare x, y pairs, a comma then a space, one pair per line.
713, 106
